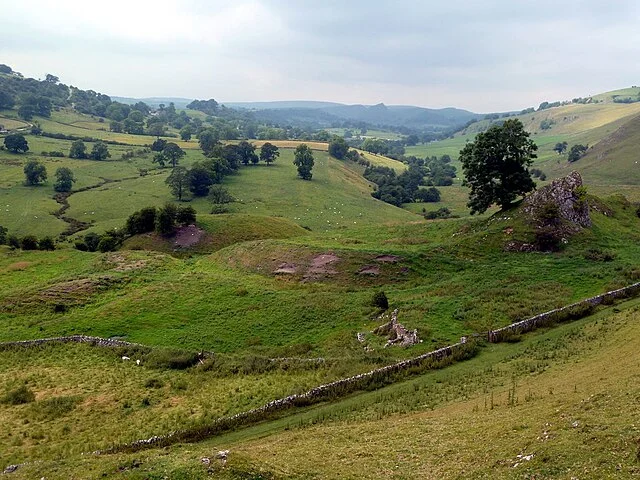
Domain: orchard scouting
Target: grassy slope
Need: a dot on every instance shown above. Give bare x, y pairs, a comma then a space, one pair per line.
556, 395
609, 168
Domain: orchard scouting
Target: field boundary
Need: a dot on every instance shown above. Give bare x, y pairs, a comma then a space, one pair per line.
379, 377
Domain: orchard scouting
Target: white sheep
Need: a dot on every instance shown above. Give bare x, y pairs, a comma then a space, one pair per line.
125, 358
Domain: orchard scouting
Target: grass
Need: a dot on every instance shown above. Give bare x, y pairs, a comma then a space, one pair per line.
555, 395
88, 398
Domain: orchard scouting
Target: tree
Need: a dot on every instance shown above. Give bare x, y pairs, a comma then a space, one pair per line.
6, 100
51, 78
142, 221
64, 180
577, 152
199, 180
178, 181
304, 161
158, 145
78, 150
560, 147
338, 147
34, 172
16, 143
173, 153
156, 129
496, 165
100, 151
166, 217
186, 132
26, 112
247, 153
220, 195
29, 242
47, 243
208, 140
269, 153
185, 215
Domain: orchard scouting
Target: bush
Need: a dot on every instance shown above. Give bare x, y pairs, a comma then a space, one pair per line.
108, 243
19, 396
548, 238
185, 215
142, 221
47, 243
380, 300
29, 242
13, 241
92, 240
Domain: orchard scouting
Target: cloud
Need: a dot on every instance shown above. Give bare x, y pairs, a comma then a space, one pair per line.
482, 55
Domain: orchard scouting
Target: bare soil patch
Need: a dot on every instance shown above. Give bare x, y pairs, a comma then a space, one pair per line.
19, 266
321, 266
188, 236
372, 270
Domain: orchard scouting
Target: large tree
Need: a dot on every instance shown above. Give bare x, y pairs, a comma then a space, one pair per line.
338, 147
496, 165
304, 161
16, 143
64, 180
173, 153
34, 172
78, 150
100, 151
199, 180
178, 181
247, 152
269, 153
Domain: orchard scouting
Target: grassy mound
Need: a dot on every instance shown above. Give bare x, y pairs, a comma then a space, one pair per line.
219, 231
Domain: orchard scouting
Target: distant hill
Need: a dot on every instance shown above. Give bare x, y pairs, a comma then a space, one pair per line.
155, 101
327, 114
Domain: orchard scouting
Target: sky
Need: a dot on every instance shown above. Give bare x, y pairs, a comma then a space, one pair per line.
485, 56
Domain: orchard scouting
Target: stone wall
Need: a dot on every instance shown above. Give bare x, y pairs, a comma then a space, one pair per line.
570, 312
94, 341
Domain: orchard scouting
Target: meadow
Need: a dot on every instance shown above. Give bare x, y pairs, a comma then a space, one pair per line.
278, 289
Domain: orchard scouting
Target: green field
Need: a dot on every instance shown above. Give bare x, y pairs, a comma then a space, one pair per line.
279, 286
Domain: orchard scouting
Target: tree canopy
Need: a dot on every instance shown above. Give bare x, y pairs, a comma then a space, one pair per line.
496, 165
304, 161
64, 180
269, 153
35, 173
16, 143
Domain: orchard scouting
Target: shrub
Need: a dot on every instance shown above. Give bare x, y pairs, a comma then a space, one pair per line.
185, 215
13, 241
29, 242
47, 243
19, 396
142, 221
92, 240
108, 243
548, 238
380, 300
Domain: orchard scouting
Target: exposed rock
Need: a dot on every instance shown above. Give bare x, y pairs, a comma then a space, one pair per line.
566, 194
396, 332
10, 469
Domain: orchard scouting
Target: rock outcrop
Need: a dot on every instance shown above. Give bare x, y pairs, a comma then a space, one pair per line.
568, 195
396, 333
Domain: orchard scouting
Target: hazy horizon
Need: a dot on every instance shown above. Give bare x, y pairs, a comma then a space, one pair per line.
479, 56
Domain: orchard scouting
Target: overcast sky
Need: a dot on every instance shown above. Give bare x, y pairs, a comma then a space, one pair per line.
491, 55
